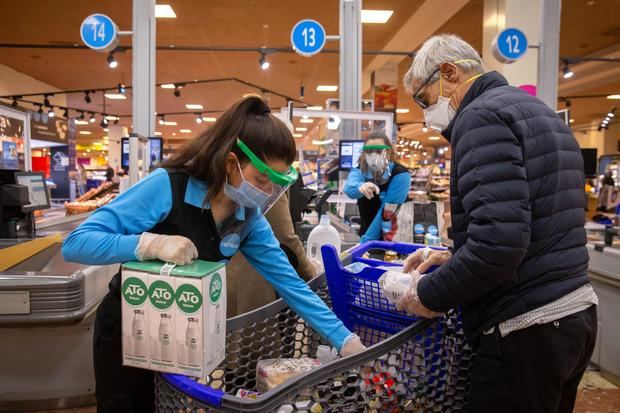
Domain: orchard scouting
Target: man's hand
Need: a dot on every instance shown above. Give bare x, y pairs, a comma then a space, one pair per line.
425, 258
410, 301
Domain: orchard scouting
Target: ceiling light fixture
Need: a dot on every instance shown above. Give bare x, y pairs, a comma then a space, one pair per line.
307, 120
85, 132
298, 135
92, 118
50, 112
614, 97
402, 110
263, 62
87, 98
434, 138
65, 114
112, 63
121, 88
46, 100
164, 11
611, 114
115, 96
315, 108
198, 118
326, 88
170, 123
566, 70
424, 128
167, 86
376, 16
194, 106
208, 119
162, 120
301, 129
14, 103
185, 130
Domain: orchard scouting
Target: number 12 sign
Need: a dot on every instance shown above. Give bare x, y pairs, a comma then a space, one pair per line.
99, 33
509, 45
308, 37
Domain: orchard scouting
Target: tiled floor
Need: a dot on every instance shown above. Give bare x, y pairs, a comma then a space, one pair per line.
596, 395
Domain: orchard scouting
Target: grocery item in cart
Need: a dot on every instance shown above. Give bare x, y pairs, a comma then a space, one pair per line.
394, 285
273, 372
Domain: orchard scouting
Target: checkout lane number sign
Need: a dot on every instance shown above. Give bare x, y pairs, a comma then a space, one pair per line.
99, 32
308, 37
509, 45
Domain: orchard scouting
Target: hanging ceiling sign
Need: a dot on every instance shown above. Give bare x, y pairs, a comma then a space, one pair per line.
509, 45
99, 32
308, 37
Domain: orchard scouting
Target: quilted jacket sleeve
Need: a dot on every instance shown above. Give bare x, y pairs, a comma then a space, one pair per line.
493, 188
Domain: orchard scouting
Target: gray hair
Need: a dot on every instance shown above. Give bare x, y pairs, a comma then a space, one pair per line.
437, 50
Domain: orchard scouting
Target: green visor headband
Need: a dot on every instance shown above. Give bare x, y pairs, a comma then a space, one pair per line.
278, 178
375, 147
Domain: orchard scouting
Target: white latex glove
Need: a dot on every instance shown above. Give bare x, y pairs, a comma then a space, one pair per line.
352, 345
168, 248
410, 302
424, 258
368, 189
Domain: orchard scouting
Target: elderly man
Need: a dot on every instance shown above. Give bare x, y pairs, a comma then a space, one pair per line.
518, 270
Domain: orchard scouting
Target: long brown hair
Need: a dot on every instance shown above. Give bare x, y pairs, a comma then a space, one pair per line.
249, 119
376, 135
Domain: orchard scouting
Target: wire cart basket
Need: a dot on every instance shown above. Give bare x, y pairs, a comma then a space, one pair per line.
411, 365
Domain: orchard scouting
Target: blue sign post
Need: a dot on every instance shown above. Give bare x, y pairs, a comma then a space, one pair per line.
509, 45
99, 33
308, 37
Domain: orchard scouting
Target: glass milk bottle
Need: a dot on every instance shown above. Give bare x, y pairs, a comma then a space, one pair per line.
192, 341
138, 333
165, 337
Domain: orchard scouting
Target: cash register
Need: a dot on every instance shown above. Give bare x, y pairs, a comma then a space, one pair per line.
21, 193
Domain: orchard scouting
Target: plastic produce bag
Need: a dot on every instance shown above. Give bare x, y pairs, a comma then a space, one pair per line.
394, 285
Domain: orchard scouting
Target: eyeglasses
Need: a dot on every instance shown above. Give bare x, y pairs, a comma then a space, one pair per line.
416, 95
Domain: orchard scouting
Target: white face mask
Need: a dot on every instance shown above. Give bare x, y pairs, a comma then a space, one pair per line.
439, 115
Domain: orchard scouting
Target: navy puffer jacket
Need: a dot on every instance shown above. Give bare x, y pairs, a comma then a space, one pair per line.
518, 200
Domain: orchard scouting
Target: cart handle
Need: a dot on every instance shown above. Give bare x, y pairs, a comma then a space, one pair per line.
188, 386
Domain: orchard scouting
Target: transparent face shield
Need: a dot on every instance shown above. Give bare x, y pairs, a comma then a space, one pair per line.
251, 199
377, 159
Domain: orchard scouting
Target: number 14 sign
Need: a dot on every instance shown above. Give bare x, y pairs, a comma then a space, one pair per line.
308, 37
99, 33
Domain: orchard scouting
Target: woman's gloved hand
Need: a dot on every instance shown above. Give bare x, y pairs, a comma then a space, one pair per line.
352, 345
168, 248
368, 189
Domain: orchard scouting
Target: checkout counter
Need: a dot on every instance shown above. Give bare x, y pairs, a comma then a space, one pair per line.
47, 305
604, 274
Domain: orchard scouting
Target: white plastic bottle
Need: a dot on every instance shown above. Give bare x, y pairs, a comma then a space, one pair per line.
322, 234
192, 341
165, 337
138, 333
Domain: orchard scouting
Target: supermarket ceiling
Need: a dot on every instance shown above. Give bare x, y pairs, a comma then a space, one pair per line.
589, 28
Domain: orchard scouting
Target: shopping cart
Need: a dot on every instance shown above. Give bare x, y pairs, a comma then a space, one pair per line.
412, 364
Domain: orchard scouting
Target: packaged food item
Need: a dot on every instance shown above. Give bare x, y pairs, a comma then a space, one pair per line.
390, 256
273, 372
247, 394
174, 318
394, 285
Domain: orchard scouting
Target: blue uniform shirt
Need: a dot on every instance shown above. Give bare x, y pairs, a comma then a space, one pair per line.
110, 235
396, 193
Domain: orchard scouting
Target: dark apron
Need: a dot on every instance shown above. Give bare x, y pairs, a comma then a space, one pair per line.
369, 208
128, 389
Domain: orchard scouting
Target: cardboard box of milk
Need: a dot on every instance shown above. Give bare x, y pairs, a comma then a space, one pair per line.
200, 295
135, 317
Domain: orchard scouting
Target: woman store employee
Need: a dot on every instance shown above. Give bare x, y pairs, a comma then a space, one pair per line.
378, 181
207, 202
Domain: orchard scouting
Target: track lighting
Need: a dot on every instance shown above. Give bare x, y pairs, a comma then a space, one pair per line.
104, 122
161, 120
112, 63
50, 112
81, 115
40, 111
87, 98
262, 61
14, 103
177, 91
46, 100
610, 115
568, 73
92, 118
199, 118
424, 128
121, 88
66, 114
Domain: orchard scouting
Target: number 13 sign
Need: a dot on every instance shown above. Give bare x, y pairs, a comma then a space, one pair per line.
99, 33
509, 45
308, 37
